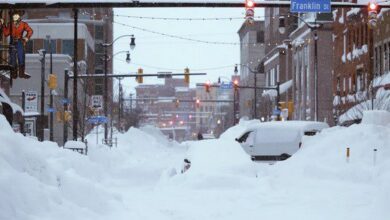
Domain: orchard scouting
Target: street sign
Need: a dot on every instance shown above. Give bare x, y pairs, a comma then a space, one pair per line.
277, 112
97, 119
303, 6
226, 85
97, 101
65, 101
51, 110
31, 101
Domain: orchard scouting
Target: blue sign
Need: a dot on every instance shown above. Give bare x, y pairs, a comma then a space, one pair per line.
277, 112
51, 110
97, 119
302, 6
226, 85
65, 101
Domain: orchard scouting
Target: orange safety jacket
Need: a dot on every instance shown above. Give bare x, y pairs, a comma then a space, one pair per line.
17, 31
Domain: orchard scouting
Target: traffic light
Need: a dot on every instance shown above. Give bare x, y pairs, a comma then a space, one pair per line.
207, 86
187, 76
249, 11
373, 10
139, 78
52, 82
235, 84
197, 103
67, 116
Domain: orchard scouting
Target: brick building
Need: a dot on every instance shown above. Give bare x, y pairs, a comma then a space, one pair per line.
361, 55
160, 107
94, 27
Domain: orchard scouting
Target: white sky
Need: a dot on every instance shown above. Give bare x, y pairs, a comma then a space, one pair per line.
168, 54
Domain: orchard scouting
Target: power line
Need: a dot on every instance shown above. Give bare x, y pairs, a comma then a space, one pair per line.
182, 38
187, 19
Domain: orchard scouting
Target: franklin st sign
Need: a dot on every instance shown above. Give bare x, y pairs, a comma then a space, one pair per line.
302, 6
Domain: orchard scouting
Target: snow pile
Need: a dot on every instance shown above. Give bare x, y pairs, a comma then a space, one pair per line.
376, 117
140, 179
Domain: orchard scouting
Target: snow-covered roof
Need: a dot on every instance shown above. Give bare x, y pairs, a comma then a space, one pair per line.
283, 88
182, 89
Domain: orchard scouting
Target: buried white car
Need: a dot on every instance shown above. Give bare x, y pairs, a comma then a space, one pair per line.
272, 141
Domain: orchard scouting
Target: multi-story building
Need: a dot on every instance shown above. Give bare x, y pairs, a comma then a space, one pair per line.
252, 53
277, 60
304, 58
215, 111
361, 56
169, 106
55, 27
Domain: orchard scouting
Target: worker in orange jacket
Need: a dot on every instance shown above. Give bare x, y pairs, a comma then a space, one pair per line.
18, 41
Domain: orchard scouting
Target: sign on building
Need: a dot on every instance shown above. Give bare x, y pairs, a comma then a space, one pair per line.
31, 101
97, 102
303, 6
29, 127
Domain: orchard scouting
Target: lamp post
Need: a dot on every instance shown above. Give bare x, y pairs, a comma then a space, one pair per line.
42, 53
48, 38
255, 84
106, 58
313, 27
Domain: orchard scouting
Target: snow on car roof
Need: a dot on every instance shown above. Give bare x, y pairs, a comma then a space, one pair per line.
294, 125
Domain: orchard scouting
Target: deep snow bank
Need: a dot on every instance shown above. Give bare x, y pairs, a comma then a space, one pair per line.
39, 180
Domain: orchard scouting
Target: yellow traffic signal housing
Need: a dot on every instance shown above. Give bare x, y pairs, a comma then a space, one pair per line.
67, 116
187, 75
52, 82
139, 78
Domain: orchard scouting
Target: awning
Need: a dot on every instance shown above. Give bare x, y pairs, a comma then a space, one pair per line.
282, 89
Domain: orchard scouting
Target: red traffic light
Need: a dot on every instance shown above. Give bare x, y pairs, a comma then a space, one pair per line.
372, 6
249, 4
207, 86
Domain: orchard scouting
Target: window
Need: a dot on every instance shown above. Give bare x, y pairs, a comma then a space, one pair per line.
260, 37
99, 32
277, 73
67, 47
99, 87
344, 84
359, 80
385, 58
350, 84
272, 80
99, 48
53, 45
338, 84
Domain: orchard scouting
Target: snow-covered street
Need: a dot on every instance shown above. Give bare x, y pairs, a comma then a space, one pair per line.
141, 179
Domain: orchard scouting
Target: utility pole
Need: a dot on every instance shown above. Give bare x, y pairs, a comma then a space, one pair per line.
120, 103
48, 38
43, 64
75, 74
65, 104
315, 70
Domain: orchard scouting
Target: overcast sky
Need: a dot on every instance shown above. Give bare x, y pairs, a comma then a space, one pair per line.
156, 53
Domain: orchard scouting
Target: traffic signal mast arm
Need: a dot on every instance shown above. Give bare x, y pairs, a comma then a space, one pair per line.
159, 75
166, 4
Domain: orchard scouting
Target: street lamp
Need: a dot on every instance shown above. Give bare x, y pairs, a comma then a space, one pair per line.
313, 29
42, 54
255, 83
106, 58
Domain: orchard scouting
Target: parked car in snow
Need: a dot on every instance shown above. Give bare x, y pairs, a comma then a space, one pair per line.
272, 141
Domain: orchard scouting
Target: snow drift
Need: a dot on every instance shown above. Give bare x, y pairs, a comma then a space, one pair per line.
39, 180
